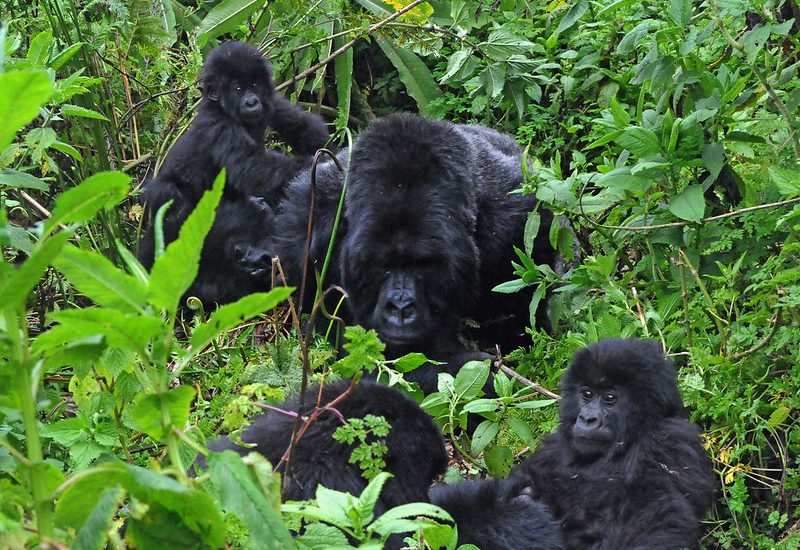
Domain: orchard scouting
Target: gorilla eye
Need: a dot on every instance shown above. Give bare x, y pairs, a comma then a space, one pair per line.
609, 398
587, 394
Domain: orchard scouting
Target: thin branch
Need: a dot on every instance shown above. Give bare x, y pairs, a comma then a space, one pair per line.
776, 323
498, 363
348, 45
679, 224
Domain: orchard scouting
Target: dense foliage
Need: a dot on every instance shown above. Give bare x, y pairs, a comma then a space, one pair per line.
665, 131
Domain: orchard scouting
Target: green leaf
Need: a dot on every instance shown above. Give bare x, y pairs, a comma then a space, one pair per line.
16, 287
640, 141
242, 494
83, 112
99, 279
787, 181
225, 17
499, 459
574, 13
94, 532
95, 193
510, 287
455, 64
778, 416
174, 271
195, 508
484, 434
414, 74
343, 70
689, 204
146, 413
377, 7
493, 78
21, 95
502, 44
481, 406
369, 496
714, 158
620, 179
680, 11
409, 510
535, 404
61, 58
132, 332
66, 431
471, 378
20, 180
228, 316
409, 362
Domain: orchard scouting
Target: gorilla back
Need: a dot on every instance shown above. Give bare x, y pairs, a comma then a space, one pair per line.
625, 469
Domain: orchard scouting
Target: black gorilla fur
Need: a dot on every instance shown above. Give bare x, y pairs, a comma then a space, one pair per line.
493, 516
428, 231
486, 512
416, 454
625, 469
236, 259
239, 103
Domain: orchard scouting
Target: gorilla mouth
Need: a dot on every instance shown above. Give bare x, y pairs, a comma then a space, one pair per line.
398, 337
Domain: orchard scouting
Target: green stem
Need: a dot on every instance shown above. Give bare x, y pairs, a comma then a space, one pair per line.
26, 393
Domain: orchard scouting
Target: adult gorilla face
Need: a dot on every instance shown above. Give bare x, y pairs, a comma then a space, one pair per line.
409, 258
237, 253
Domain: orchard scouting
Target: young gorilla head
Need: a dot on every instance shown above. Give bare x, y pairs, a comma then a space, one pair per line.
236, 258
238, 81
409, 258
613, 391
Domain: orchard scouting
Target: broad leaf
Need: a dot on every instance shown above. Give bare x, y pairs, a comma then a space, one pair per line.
640, 141
225, 17
16, 287
146, 412
94, 532
99, 279
575, 12
16, 180
242, 495
81, 203
175, 270
689, 204
21, 95
231, 315
471, 378
414, 74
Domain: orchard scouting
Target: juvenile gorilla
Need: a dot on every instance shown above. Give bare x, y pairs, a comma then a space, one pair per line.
428, 231
625, 469
239, 103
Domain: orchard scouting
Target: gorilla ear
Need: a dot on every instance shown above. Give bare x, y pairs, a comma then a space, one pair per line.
211, 92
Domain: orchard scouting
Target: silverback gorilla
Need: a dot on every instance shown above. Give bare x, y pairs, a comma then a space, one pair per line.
239, 104
416, 457
625, 469
429, 229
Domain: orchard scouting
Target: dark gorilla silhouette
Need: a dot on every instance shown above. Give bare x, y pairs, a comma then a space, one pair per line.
236, 259
493, 516
416, 454
416, 457
625, 469
239, 104
428, 231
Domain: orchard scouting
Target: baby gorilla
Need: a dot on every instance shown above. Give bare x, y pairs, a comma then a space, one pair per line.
625, 469
239, 104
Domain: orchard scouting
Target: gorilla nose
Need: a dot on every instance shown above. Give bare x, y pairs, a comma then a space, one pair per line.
588, 421
400, 310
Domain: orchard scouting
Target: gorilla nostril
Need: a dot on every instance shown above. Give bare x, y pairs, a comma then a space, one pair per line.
240, 251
